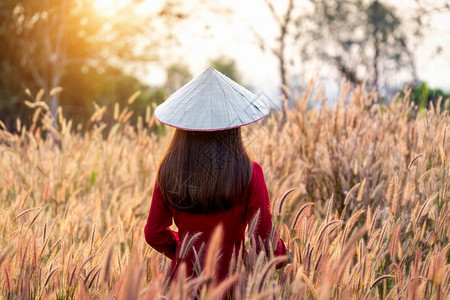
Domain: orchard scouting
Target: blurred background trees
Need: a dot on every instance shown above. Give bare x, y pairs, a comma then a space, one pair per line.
102, 56
67, 43
227, 66
363, 40
178, 74
424, 97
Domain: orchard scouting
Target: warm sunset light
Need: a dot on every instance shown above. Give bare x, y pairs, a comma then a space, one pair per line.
109, 7
224, 149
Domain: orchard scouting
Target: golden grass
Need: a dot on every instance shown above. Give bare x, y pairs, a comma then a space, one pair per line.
369, 216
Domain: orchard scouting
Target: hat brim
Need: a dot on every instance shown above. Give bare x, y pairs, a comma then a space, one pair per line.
211, 102
213, 129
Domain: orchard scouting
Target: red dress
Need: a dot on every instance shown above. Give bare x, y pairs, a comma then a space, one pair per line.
234, 221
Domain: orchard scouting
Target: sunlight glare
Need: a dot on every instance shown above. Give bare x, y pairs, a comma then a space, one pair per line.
109, 7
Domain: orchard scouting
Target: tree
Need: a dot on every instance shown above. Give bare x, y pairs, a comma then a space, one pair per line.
364, 40
45, 44
226, 66
177, 76
424, 97
285, 24
359, 38
284, 21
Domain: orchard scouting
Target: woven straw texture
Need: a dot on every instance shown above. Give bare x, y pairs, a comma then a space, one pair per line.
211, 102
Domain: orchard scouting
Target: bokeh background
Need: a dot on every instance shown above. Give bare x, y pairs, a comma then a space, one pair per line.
102, 51
359, 184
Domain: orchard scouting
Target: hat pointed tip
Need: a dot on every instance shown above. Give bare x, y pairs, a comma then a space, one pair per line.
209, 102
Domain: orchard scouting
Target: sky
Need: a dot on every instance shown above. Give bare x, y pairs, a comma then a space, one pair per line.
230, 34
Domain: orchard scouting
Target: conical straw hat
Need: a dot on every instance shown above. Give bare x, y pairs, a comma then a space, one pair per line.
211, 102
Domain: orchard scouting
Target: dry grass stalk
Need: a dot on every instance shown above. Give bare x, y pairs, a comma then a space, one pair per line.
283, 198
213, 252
70, 191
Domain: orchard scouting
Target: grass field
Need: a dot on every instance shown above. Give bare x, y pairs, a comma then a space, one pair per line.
369, 216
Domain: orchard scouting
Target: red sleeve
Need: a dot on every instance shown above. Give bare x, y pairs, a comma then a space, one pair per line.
259, 201
157, 231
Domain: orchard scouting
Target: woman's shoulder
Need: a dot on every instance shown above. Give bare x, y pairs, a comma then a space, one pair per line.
257, 170
256, 167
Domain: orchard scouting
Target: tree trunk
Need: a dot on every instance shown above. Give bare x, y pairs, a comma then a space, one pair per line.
281, 58
377, 46
59, 60
54, 100
375, 67
282, 68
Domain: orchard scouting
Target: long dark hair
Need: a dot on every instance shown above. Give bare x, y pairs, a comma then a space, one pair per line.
203, 172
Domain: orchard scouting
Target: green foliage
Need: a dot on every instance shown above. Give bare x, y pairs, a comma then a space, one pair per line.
226, 66
177, 75
45, 44
423, 96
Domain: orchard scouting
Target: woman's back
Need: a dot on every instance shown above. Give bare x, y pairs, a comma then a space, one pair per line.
234, 222
206, 177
